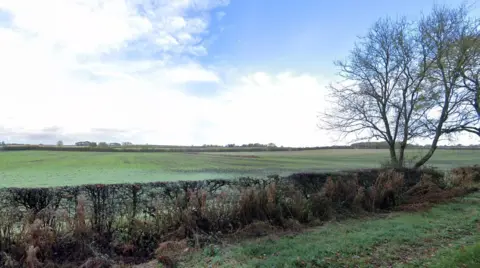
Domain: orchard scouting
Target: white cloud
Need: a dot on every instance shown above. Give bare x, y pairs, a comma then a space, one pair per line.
191, 72
101, 26
60, 80
266, 108
80, 27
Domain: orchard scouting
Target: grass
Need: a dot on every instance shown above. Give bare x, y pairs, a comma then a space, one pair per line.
50, 168
467, 256
446, 236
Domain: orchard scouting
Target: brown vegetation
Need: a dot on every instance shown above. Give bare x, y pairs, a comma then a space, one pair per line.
465, 175
98, 225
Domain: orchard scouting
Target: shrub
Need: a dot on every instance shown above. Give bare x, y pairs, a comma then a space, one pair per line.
34, 200
295, 206
341, 191
321, 206
465, 175
87, 224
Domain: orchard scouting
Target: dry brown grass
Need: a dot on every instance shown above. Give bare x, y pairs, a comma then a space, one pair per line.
31, 260
258, 204
428, 192
385, 192
168, 252
465, 176
341, 190
80, 226
256, 229
38, 238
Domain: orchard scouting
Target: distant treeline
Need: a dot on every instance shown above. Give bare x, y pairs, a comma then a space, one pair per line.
190, 149
384, 145
255, 147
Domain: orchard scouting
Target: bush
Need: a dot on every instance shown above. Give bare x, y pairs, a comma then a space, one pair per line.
129, 222
465, 175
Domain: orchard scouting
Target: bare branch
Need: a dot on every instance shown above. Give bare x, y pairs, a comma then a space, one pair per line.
409, 81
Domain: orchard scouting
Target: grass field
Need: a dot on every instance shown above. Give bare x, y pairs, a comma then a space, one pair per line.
446, 236
50, 168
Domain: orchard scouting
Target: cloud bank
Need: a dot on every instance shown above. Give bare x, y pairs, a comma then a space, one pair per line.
114, 70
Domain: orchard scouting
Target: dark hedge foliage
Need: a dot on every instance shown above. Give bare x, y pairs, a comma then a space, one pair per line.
129, 221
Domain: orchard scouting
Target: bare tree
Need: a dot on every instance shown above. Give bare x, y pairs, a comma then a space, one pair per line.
383, 98
447, 34
400, 84
469, 47
471, 81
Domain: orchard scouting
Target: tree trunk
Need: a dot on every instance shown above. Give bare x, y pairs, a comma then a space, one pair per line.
438, 133
426, 157
393, 155
401, 157
433, 147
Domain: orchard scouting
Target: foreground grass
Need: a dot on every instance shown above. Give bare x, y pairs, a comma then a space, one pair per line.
464, 257
446, 236
50, 168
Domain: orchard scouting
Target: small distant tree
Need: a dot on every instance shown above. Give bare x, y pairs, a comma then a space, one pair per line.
60, 143
92, 144
102, 144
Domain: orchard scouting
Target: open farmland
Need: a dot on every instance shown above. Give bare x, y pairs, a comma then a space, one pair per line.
49, 168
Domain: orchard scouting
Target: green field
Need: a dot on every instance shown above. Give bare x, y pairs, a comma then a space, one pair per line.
51, 168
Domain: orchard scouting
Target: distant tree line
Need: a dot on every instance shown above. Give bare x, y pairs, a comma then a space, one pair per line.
252, 145
101, 144
148, 148
384, 145
129, 144
98, 147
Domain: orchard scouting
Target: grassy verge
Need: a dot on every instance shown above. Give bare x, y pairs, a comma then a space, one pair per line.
448, 235
462, 257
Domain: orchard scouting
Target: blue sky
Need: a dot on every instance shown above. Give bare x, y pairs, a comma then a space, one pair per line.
177, 71
302, 35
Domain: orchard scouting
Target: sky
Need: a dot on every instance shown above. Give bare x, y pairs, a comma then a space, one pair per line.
178, 72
